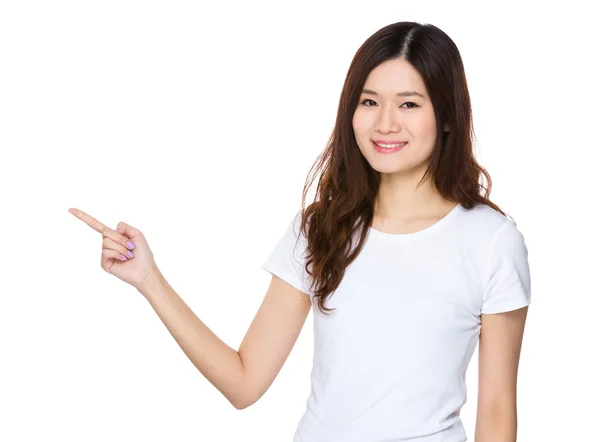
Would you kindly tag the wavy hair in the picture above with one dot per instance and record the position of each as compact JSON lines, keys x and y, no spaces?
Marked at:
{"x":344,"y":203}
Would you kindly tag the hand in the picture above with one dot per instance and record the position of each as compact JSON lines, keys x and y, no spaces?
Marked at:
{"x":133,"y":271}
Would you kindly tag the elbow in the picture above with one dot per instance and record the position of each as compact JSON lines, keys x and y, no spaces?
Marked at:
{"x":243,"y":397}
{"x":241,"y":403}
{"x":240,"y":406}
{"x":244,"y":401}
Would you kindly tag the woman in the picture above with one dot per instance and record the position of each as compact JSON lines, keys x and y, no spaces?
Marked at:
{"x":405,"y":264}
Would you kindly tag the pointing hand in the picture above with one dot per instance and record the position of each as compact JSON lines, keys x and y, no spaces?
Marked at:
{"x":118,"y":246}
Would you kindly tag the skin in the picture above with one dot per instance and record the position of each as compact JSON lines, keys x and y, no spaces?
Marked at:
{"x":133,"y":270}
{"x":241,"y":376}
{"x":386,"y":116}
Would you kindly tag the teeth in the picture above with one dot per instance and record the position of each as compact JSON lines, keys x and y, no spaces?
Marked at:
{"x":390,"y":146}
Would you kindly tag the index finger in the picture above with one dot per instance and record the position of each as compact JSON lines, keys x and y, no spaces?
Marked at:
{"x":90,"y":221}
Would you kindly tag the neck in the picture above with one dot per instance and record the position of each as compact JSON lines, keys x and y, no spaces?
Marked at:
{"x":399,"y":199}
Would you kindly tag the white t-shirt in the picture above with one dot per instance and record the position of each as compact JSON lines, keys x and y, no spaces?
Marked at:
{"x":389,"y":364}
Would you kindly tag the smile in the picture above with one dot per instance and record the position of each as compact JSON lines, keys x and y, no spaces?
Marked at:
{"x":389,"y":148}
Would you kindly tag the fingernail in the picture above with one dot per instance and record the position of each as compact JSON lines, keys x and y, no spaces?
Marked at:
{"x":123,"y":257}
{"x":130,"y":245}
{"x":129,"y":253}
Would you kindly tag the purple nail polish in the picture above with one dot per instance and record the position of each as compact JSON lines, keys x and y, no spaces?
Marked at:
{"x":130,"y":245}
{"x":129,"y":253}
{"x":123,"y":257}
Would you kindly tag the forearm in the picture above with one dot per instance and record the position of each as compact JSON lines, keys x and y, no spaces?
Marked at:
{"x":497,"y":427}
{"x":220,"y":364}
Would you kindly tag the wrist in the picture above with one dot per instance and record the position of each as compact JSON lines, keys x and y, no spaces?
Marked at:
{"x":153,"y":279}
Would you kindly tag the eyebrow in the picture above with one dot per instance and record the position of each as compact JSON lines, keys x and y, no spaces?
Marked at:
{"x":399,"y":94}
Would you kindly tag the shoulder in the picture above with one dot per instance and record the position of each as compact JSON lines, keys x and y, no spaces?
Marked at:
{"x":483,"y":232}
{"x":483,"y":223}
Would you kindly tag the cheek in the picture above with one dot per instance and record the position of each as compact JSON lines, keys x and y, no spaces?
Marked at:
{"x":426,"y":126}
{"x":359,"y":123}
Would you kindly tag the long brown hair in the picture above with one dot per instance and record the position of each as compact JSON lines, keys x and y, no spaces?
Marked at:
{"x":345,"y":196}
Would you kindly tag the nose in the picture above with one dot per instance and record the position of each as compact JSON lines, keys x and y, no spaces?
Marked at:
{"x":387,"y":119}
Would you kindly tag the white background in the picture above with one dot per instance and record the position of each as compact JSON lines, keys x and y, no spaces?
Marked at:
{"x":197,"y":124}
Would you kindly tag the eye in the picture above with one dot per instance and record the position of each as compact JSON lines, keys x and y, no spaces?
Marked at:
{"x":408,"y":102}
{"x":364,"y":101}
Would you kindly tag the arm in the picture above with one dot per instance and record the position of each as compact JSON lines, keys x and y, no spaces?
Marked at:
{"x":242,"y":377}
{"x":499,"y":351}
{"x":272,"y":335}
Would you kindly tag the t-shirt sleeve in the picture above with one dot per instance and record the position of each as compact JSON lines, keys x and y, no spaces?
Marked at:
{"x":508,"y":283}
{"x":287,"y":259}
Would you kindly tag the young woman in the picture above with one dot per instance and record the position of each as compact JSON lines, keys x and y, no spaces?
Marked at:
{"x":402,"y":257}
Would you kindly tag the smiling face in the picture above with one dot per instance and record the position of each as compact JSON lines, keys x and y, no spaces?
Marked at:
{"x":394,"y":107}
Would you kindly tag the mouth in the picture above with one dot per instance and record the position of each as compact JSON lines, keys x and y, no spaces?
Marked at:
{"x":388,"y":148}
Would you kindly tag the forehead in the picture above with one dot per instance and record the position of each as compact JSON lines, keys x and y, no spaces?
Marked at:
{"x":393,"y":76}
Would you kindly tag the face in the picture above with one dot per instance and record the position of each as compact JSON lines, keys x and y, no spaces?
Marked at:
{"x":384,"y":116}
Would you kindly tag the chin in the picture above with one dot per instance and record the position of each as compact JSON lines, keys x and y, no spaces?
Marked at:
{"x":398,"y":167}
{"x":392,"y":170}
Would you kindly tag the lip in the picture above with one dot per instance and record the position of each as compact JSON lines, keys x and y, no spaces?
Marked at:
{"x":383,"y":150}
{"x":390,"y":142}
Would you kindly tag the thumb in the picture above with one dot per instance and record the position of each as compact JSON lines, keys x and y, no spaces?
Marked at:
{"x":127,"y":230}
